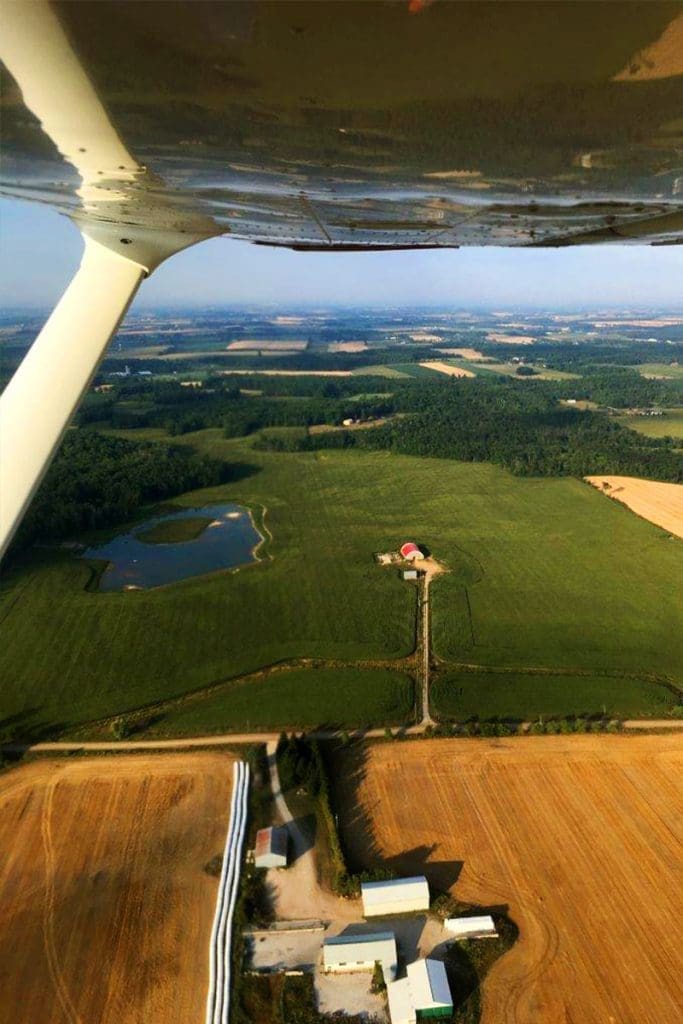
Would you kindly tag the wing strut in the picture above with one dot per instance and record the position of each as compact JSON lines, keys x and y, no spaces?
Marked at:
{"x":41,"y":398}
{"x":117,"y":197}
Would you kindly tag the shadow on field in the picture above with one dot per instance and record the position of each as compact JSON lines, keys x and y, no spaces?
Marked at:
{"x":467,"y":962}
{"x":302,"y":833}
{"x":241,"y":471}
{"x":20,"y":730}
{"x":357,"y":835}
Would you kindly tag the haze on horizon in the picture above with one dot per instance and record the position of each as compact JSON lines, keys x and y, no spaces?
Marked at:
{"x":40,"y":251}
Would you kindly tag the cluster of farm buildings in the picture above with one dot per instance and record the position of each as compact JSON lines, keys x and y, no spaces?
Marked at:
{"x":423,"y":990}
{"x":408,"y":552}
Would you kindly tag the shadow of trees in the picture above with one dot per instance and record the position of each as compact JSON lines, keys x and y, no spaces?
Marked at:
{"x":467,"y":962}
{"x":22,"y":729}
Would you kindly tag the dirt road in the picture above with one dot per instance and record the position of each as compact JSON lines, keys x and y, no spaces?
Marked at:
{"x":238,"y":739}
{"x":297,"y":892}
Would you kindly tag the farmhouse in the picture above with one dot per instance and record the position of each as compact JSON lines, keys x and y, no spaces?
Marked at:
{"x":411,"y":552}
{"x":480,"y":927}
{"x":396,"y":896}
{"x":361,"y":953}
{"x":410,"y":574}
{"x":271,"y":848}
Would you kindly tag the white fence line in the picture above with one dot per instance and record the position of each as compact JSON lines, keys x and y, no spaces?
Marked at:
{"x":218,"y":999}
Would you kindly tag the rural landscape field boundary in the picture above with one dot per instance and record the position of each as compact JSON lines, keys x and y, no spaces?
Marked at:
{"x":220,"y":947}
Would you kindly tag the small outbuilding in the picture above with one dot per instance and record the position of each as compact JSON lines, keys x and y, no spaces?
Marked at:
{"x":429,"y":989}
{"x":395,"y":896}
{"x":411,"y":552}
{"x":361,"y":952}
{"x":410,"y":574}
{"x":480,"y":927}
{"x":271,"y":848}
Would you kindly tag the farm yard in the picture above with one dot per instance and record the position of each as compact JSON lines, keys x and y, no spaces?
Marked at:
{"x":579,"y":837}
{"x":544,"y":574}
{"x":106,"y":872}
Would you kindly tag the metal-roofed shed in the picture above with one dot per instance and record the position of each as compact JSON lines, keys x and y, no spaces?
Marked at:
{"x":429,"y":989}
{"x":395,"y":896}
{"x":401,"y":1009}
{"x":480,"y":927}
{"x":353,"y":952}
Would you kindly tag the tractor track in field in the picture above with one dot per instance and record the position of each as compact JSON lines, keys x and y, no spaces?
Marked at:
{"x":51,"y":956}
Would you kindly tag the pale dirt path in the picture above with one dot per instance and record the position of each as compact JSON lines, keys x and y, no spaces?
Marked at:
{"x":297,"y":892}
{"x":424,"y":647}
{"x":240,"y":739}
{"x":430,"y":568}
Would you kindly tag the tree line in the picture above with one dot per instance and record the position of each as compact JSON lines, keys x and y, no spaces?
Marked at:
{"x":521,"y":428}
{"x":97,"y":481}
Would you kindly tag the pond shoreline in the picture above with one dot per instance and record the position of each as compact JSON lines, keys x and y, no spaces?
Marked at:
{"x":230,"y":539}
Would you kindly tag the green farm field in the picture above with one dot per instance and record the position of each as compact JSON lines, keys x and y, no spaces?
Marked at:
{"x":670,"y":424}
{"x":517,"y":696}
{"x":510,"y":370}
{"x":544,"y":574}
{"x":664,"y":371}
{"x":305,"y":698}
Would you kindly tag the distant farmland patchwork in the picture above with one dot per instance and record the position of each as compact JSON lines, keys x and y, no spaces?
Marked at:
{"x":669,"y":424}
{"x":107,"y":903}
{"x":578,"y":837}
{"x":545,"y":574}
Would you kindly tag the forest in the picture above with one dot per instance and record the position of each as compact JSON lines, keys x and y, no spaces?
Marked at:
{"x":97,"y":481}
{"x":521,"y":428}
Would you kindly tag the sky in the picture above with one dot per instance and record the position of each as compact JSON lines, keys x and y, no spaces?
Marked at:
{"x":40,"y":251}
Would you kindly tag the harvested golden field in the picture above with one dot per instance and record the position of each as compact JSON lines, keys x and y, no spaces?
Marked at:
{"x":257,"y":345}
{"x":581,"y":836}
{"x":447,"y":368}
{"x":106,"y":906}
{"x":661,"y":504}
{"x":347,"y":346}
{"x":511,"y":339}
{"x":467,"y":353}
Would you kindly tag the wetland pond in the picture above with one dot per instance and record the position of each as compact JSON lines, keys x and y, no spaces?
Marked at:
{"x":178,"y":545}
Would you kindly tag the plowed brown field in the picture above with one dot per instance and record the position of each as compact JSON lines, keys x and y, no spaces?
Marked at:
{"x":580,"y":836}
{"x":105,"y":905}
